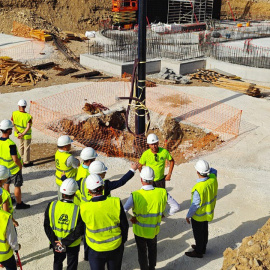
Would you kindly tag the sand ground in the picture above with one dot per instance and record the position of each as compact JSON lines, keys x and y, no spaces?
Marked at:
{"x":243,"y":176}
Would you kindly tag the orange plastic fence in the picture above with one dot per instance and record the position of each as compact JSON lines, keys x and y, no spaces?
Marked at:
{"x":62,"y":114}
{"x":25,"y":50}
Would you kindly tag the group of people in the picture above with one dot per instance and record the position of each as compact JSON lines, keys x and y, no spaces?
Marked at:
{"x":86,"y":211}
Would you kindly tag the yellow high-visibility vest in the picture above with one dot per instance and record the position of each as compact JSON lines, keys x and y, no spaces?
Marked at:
{"x":20,"y":120}
{"x":208,"y":194}
{"x":60,"y":164}
{"x":149,"y":206}
{"x":63,"y":219}
{"x":5,"y":249}
{"x":5,"y":157}
{"x":82,"y":173}
{"x":6,"y":196}
{"x":102,"y":220}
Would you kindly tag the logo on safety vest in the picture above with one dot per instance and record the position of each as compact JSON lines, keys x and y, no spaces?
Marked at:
{"x":63,"y":219}
{"x":57,"y":162}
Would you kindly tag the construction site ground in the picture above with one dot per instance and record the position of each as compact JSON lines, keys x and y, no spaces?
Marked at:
{"x":243,"y":176}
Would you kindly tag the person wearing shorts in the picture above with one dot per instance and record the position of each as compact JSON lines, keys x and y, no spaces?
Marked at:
{"x":10,"y":158}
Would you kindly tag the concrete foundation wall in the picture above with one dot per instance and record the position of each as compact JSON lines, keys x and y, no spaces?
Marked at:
{"x":248,"y":73}
{"x":116,"y":68}
{"x":183,"y":67}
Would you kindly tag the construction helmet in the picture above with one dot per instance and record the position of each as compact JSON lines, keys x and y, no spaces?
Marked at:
{"x":97,"y":167}
{"x":147,"y":174}
{"x":4,"y":172}
{"x":152,"y":138}
{"x":22,"y":103}
{"x":202,"y":167}
{"x":93,"y":181}
{"x":69,"y":186}
{"x":6,"y":124}
{"x":88,"y":153}
{"x":64,"y":140}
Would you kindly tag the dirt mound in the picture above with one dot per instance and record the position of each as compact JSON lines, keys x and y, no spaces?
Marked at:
{"x":254,"y":252}
{"x":246,"y":9}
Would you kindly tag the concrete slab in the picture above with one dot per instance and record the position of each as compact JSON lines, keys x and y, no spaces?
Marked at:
{"x":245,"y":72}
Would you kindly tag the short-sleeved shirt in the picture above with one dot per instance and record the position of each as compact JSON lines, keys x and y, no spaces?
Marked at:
{"x":157,"y":163}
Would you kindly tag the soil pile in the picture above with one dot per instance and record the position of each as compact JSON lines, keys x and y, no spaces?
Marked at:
{"x":254,"y":252}
{"x":246,"y":9}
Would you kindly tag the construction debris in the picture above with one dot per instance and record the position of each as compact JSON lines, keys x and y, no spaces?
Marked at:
{"x":18,"y":74}
{"x":210,"y":76}
{"x":44,"y":66}
{"x":67,"y":71}
{"x":94,"y":108}
{"x":86,"y":75}
{"x":170,"y":75}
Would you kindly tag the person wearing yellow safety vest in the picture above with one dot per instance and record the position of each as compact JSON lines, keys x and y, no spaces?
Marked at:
{"x":65,"y":162}
{"x":148,"y":206}
{"x":10,"y":158}
{"x":6,"y":204}
{"x":201,"y":211}
{"x":106,"y":227}
{"x":155,"y":157}
{"x":22,"y":125}
{"x":8,"y":239}
{"x":64,"y":227}
{"x":99,"y":168}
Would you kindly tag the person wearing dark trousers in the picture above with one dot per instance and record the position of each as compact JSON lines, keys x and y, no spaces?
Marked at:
{"x":155,"y":157}
{"x":106,"y":227}
{"x":148,"y":205}
{"x":64,"y":227}
{"x":201,"y":211}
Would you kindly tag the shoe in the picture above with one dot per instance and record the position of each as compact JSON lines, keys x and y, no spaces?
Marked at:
{"x":194,"y":247}
{"x":31,"y":163}
{"x":193,"y":254}
{"x":22,"y":205}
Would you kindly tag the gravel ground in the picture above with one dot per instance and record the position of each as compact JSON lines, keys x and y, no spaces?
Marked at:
{"x":243,"y":175}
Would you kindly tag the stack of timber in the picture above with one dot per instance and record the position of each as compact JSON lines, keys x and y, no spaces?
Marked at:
{"x":17,"y":74}
{"x":210,"y":76}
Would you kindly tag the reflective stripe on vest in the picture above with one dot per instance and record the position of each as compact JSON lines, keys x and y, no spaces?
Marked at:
{"x":60,"y":222}
{"x":6,"y":196}
{"x":60,"y":166}
{"x":86,"y":197}
{"x":5,"y":157}
{"x":208,"y":195}
{"x":5,"y":249}
{"x":148,"y":208}
{"x":20,"y":120}
{"x":102,"y":220}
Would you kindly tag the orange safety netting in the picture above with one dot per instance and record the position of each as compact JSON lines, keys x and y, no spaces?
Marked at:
{"x":63,"y":114}
{"x":24,"y":50}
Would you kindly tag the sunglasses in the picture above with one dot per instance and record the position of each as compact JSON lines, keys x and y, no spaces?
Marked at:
{"x":156,"y":157}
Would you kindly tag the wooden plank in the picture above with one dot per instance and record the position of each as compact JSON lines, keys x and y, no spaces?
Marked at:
{"x":86,"y":75}
{"x":31,"y":78}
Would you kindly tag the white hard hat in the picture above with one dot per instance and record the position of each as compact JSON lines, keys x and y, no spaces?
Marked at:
{"x":152,"y":138}
{"x":147,"y":174}
{"x":97,"y":167}
{"x":88,"y":153}
{"x":93,"y":181}
{"x":22,"y":103}
{"x":64,"y":140}
{"x":4,"y":172}
{"x":6,"y":124}
{"x":202,"y":167}
{"x":69,"y":186}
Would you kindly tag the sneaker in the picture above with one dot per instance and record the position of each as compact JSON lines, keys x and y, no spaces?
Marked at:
{"x":28,"y":164}
{"x":193,"y":254}
{"x":22,"y":205}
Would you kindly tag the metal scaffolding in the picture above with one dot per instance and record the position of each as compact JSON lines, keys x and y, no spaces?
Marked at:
{"x":189,"y":11}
